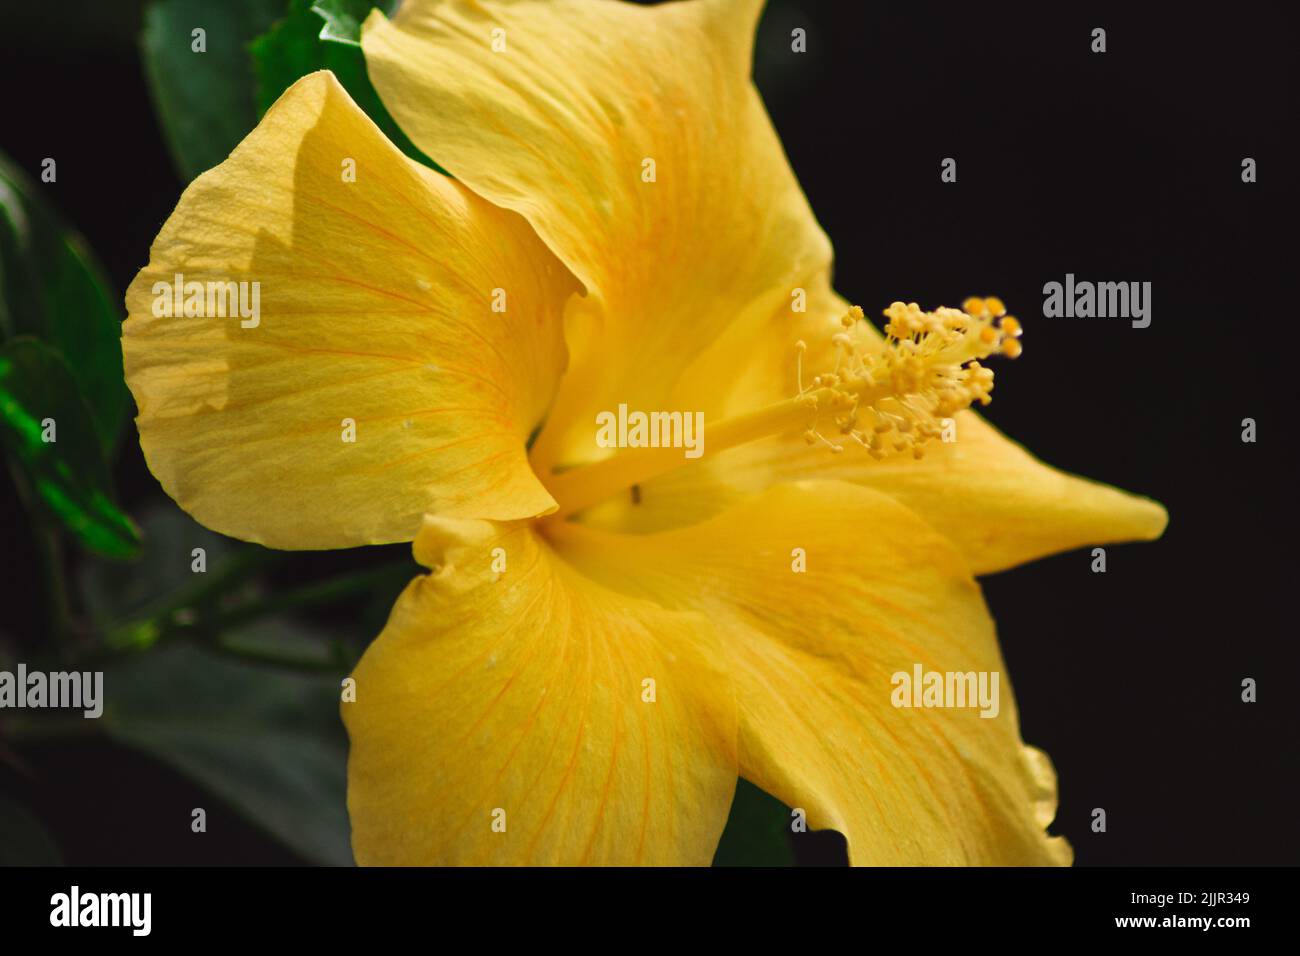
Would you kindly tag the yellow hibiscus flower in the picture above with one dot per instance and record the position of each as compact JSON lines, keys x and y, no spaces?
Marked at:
{"x":608,"y":637}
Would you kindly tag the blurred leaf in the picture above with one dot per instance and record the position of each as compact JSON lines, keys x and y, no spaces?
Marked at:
{"x":52,"y":287}
{"x":268,"y":742}
{"x":23,"y":841}
{"x":757,"y":831}
{"x":325,"y":35}
{"x":205,"y":101}
{"x":163,"y":578}
{"x":69,"y":474}
{"x":230,"y":603}
{"x":277,"y":641}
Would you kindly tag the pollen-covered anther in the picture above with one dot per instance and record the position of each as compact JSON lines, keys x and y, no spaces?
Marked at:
{"x":897,"y":397}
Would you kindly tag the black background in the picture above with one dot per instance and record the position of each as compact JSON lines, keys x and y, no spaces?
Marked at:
{"x":1123,"y":166}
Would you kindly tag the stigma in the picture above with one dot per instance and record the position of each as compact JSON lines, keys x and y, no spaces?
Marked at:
{"x":895,"y":398}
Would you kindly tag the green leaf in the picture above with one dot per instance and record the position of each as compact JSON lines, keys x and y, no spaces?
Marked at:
{"x":39,"y":399}
{"x":23,"y":841}
{"x":205,"y":100}
{"x":757,"y":831}
{"x":343,"y":18}
{"x":325,"y":35}
{"x":268,"y":742}
{"x":52,"y":287}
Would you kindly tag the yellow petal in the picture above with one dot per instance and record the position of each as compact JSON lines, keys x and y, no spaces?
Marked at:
{"x":559,"y":116}
{"x":376,"y":308}
{"x":813,"y":655}
{"x":520,"y":696}
{"x":999,"y":505}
